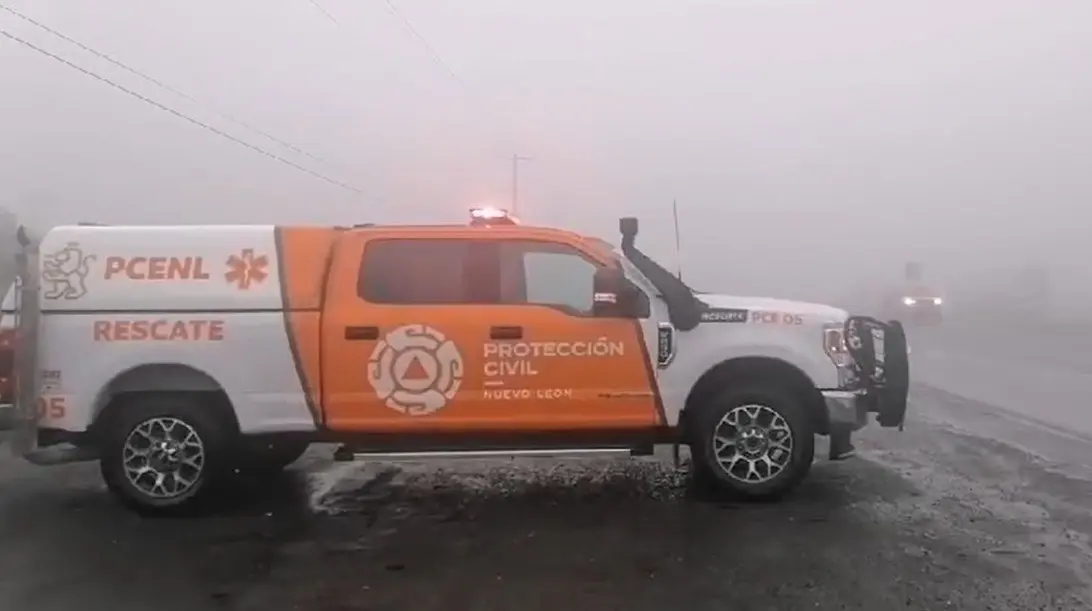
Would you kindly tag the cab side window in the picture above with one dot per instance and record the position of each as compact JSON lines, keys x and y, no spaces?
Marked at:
{"x":546,"y":273}
{"x":425,"y":272}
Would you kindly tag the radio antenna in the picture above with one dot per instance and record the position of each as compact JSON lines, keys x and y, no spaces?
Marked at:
{"x":678,"y":247}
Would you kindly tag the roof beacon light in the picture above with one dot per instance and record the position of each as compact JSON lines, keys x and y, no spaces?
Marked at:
{"x":488,"y":215}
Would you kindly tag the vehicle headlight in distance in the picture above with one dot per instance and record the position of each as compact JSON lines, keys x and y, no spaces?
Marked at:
{"x":937,"y":301}
{"x":834,"y":344}
{"x":908,"y":301}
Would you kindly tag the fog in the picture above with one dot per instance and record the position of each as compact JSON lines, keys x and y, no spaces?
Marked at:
{"x":813,"y":146}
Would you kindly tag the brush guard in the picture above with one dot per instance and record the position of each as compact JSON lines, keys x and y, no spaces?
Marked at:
{"x":882,"y":367}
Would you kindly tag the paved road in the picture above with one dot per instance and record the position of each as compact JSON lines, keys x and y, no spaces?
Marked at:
{"x":974,"y":507}
{"x":1044,"y":375}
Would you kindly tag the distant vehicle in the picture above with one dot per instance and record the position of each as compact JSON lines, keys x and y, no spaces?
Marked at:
{"x":916,"y":302}
{"x":919,"y":305}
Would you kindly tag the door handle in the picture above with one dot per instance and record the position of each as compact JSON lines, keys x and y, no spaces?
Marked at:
{"x":506,"y":332}
{"x":361,"y":333}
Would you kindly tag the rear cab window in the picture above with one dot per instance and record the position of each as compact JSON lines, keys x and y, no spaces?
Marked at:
{"x":428,"y":272}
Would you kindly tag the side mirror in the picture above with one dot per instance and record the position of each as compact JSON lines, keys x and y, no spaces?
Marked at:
{"x":614,"y":296}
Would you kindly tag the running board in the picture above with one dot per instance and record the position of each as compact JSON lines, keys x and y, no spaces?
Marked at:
{"x":344,"y":454}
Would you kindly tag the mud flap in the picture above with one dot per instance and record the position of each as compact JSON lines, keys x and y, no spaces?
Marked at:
{"x":883,"y":375}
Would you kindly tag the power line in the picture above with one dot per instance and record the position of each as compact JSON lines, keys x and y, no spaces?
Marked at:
{"x":325,"y":12}
{"x":185,"y":117}
{"x":393,"y":9}
{"x":162,"y":85}
{"x":436,"y":57}
{"x":408,"y":25}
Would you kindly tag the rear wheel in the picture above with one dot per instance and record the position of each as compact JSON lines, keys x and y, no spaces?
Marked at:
{"x":161,"y":453}
{"x":754,"y":442}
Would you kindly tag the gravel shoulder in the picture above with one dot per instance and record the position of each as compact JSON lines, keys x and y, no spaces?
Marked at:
{"x":967,"y":508}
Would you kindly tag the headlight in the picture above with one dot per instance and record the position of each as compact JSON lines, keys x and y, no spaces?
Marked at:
{"x":909,"y":301}
{"x":937,"y":301}
{"x":834,"y":344}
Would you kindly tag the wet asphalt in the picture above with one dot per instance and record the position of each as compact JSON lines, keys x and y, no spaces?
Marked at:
{"x":974,"y":506}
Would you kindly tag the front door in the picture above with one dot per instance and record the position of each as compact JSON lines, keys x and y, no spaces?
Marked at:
{"x":569,"y":369}
{"x":403,"y":335}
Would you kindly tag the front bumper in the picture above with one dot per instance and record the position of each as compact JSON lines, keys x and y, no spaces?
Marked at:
{"x":881,"y":372}
{"x":846,"y":409}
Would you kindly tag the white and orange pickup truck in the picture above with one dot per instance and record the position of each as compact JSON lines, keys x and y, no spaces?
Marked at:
{"x":173,"y":355}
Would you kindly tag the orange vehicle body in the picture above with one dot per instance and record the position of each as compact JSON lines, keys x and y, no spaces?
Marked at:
{"x":320,"y":275}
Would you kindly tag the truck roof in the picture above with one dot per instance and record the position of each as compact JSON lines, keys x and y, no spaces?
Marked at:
{"x":176,"y":268}
{"x":365,"y":227}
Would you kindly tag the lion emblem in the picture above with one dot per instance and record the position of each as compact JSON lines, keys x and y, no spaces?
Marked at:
{"x":65,"y":271}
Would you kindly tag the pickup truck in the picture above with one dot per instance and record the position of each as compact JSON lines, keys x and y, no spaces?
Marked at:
{"x":173,"y":355}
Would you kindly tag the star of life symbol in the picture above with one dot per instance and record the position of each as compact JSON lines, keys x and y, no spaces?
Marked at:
{"x":245,"y":269}
{"x":64,"y":273}
{"x":415,"y":370}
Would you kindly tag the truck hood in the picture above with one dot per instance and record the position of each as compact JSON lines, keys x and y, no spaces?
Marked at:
{"x":813,"y":310}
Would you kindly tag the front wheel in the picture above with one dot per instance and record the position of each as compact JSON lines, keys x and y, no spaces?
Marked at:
{"x":161,"y":453}
{"x":755,"y":442}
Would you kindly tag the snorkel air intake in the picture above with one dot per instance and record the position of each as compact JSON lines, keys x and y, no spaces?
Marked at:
{"x":683,"y":307}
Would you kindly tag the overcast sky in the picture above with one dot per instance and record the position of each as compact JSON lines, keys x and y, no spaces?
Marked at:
{"x":804,"y":140}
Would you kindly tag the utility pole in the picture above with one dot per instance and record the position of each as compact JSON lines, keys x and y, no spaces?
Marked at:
{"x":516,"y":158}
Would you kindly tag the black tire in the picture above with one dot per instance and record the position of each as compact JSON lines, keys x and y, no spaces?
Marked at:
{"x":709,"y":473}
{"x":270,"y":456}
{"x":189,"y":416}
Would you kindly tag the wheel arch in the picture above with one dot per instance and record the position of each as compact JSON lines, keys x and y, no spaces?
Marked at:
{"x":757,"y":369}
{"x":175,"y":378}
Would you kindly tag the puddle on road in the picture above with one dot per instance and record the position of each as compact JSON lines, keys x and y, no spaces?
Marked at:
{"x":353,"y":488}
{"x":573,"y":483}
{"x":599,"y":530}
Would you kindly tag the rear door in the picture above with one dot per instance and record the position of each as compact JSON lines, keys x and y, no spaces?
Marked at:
{"x":403,"y":332}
